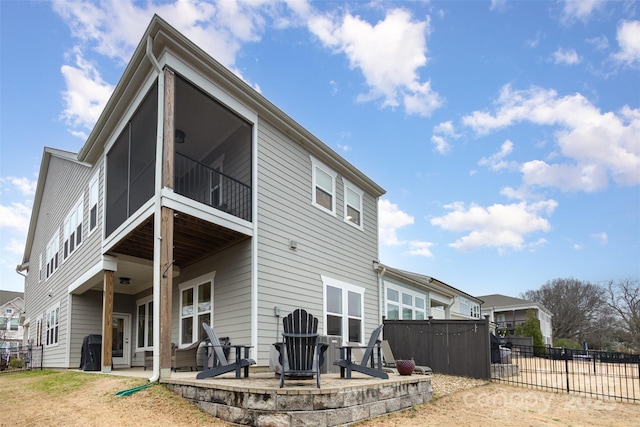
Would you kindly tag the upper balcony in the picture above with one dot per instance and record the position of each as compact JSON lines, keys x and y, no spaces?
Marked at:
{"x":210,"y":164}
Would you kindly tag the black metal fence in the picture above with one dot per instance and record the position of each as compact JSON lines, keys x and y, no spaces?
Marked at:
{"x":598,"y":374}
{"x":24,"y":358}
{"x":454,"y":347}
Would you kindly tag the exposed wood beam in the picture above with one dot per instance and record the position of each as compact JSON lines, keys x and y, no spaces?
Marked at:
{"x":107,"y":321}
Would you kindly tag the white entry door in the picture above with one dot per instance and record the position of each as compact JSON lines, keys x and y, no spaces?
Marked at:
{"x":121,"y":348}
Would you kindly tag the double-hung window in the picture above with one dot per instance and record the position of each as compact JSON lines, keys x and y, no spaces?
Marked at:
{"x":73,"y":230}
{"x":38,"y":337}
{"x":144,"y":328}
{"x":196,"y":307}
{"x":344,"y":309}
{"x":353,"y":197}
{"x":464,"y":306}
{"x":93,"y":202}
{"x":323,"y":187}
{"x":405,"y":304}
{"x":52,"y":320}
{"x":53,"y":248}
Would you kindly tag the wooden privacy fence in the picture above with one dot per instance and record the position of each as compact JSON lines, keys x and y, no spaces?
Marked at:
{"x":454,"y":347}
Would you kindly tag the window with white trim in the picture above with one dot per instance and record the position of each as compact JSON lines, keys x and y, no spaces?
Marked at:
{"x":196,"y":307}
{"x":475,"y":310}
{"x":38,"y":337}
{"x":324,"y":187}
{"x":72,"y":230}
{"x":94,"y":190}
{"x":344,"y":309}
{"x":39,"y":268}
{"x":52,"y":324}
{"x":144,"y":325}
{"x":53,"y":248}
{"x":353,"y":197}
{"x":464,"y":306}
{"x":405,"y":304}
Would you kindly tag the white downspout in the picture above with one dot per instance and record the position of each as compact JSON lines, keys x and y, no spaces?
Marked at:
{"x":157,"y":213}
{"x":380,"y":295}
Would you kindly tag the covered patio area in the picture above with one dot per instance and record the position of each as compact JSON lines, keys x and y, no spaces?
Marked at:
{"x":258,"y":401}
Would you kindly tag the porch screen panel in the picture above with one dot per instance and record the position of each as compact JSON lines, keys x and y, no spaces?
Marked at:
{"x":143,"y":152}
{"x":131,"y":164}
{"x":212,"y":131}
{"x":117,"y":182}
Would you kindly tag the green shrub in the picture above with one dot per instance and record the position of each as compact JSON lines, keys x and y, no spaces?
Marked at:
{"x":16,"y":363}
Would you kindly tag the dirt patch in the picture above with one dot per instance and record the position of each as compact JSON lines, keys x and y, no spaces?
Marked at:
{"x":37,"y":399}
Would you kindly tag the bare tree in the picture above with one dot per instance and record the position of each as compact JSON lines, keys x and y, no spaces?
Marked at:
{"x":577,"y":306}
{"x":623,"y":298}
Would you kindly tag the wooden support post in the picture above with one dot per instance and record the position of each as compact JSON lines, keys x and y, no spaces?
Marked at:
{"x":166,"y":285}
{"x":107,"y":321}
{"x":169,"y":129}
{"x":166,"y":226}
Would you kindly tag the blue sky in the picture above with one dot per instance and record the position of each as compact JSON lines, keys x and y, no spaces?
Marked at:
{"x":506,"y":133}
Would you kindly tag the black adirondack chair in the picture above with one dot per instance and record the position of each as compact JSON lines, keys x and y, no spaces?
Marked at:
{"x":368,"y":365}
{"x":220,"y":363}
{"x":300,"y":354}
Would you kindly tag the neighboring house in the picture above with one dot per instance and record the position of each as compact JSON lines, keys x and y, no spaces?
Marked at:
{"x":11,"y":331}
{"x":508,"y":312}
{"x":195,"y":199}
{"x":411,"y":296}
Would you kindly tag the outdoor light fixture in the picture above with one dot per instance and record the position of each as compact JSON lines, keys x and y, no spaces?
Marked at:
{"x":179,"y":136}
{"x":125,"y":280}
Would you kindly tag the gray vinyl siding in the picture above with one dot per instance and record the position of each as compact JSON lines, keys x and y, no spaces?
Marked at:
{"x":327,"y":245}
{"x":231,"y":292}
{"x":66,"y":183}
{"x":86,"y":319}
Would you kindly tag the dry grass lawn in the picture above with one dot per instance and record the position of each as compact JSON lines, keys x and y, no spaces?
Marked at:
{"x":66,"y":398}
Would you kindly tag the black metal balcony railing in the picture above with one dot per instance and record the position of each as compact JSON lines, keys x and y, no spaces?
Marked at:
{"x":203,"y":184}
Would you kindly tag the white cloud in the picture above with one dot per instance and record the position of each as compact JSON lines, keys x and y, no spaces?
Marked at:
{"x":14,"y":246}
{"x":389,"y":55}
{"x":499,"y":5}
{"x":579,"y":9}
{"x":15,"y":217}
{"x":496,"y":161}
{"x":390,"y":218}
{"x":497,"y":226}
{"x":446,"y":128}
{"x":593,"y":146}
{"x":599,"y":43}
{"x":536,"y":40}
{"x":420,"y":249}
{"x":566,"y":177}
{"x":113,"y":29}
{"x":569,"y":57}
{"x":629,"y":41}
{"x":86,"y":93}
{"x":441,"y":144}
{"x":602,"y":237}
{"x":345,"y":148}
{"x":23,"y":185}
